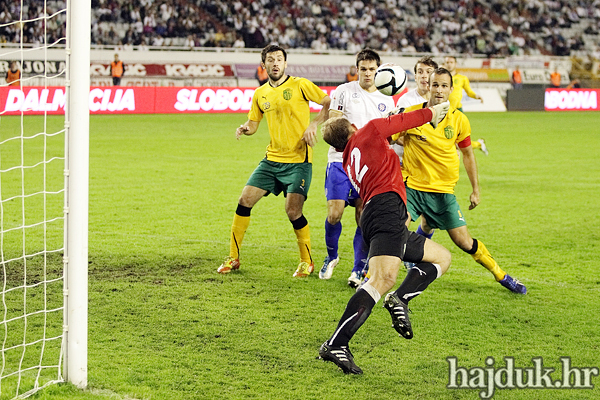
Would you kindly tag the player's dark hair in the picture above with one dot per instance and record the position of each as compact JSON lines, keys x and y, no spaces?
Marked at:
{"x":441,"y":71}
{"x":272,"y":48}
{"x":336,"y":131}
{"x":426,"y":60}
{"x":368,"y":55}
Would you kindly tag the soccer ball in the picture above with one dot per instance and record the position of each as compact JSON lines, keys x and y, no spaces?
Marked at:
{"x":390,"y":79}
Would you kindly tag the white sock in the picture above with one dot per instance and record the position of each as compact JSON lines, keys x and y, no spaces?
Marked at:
{"x":372,"y":291}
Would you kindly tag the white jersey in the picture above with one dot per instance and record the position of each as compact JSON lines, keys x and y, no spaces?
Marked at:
{"x":359,"y":107}
{"x":410,"y":98}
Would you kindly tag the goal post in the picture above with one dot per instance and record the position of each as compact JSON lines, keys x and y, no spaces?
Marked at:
{"x":44,"y":194}
{"x":77,"y":185}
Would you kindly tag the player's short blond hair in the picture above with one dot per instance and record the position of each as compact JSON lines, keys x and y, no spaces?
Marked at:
{"x":336,"y":132}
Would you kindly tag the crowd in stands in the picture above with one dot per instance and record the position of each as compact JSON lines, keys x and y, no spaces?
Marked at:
{"x":490,"y":27}
{"x":30,"y":23}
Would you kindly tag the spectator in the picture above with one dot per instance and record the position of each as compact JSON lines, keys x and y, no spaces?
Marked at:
{"x":490,"y":27}
{"x":239,"y":43}
{"x":574,"y":84}
{"x":516,"y":78}
{"x":352,"y":75}
{"x":555,"y":79}
{"x":117,"y":70}
{"x":261,"y":75}
{"x":13,"y":75}
{"x":189,"y":42}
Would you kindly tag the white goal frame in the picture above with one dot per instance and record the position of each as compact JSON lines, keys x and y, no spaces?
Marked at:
{"x":77,"y":121}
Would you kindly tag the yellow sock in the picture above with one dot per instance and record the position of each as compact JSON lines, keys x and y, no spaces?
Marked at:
{"x":238,"y":229}
{"x":483,"y":257}
{"x":303,"y":236}
{"x":475,"y":144}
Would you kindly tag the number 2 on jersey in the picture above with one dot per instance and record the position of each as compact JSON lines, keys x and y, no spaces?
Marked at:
{"x":355,"y":160}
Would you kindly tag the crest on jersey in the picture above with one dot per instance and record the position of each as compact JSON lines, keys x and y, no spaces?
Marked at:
{"x":381,"y":107}
{"x":287,"y":94}
{"x":449,"y":132}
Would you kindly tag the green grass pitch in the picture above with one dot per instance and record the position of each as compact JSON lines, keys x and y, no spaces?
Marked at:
{"x":164,"y":325}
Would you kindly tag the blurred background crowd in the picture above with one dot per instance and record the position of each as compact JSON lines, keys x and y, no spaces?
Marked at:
{"x":495,"y":28}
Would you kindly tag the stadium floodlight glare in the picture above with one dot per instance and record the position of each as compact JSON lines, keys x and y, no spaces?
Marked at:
{"x":44,"y":175}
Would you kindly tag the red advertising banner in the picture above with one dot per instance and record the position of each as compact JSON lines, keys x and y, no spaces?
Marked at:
{"x":32,"y":100}
{"x":571,"y":100}
{"x":134,"y":100}
{"x":52,"y":100}
{"x":138,"y":100}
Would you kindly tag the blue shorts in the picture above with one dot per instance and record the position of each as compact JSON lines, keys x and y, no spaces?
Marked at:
{"x":338,"y":186}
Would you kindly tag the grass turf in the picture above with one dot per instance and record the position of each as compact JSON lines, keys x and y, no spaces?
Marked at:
{"x":164,"y":325}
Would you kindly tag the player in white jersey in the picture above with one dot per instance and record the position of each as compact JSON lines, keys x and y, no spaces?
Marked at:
{"x":359,"y":102}
{"x":419,"y":95}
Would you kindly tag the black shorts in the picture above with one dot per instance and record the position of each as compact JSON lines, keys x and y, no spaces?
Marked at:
{"x":383,"y":223}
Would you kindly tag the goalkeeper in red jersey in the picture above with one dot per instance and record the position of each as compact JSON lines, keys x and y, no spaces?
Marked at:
{"x":374,"y":170}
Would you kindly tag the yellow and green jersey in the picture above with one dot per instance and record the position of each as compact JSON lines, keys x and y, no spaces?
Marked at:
{"x":430,"y":161}
{"x":460,"y":82}
{"x":286,"y":108}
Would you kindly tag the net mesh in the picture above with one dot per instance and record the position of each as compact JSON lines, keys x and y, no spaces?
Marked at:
{"x":32,"y":206}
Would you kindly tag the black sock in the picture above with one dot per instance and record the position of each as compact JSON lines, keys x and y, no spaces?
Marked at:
{"x":357,"y":311}
{"x":243,"y":211}
{"x":417,"y":279}
{"x":300,"y":222}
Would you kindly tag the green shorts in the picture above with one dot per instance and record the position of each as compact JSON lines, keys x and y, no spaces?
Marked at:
{"x":441,"y":210}
{"x":275,"y":177}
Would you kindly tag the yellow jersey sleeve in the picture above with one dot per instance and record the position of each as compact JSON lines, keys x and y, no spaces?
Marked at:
{"x":430,"y":161}
{"x":460,"y":82}
{"x":467,"y":88}
{"x":286,"y":109}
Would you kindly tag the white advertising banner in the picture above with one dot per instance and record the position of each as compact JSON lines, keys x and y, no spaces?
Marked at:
{"x":491,"y":101}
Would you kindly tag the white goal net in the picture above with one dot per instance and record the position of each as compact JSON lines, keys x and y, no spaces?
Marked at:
{"x":41,"y":309}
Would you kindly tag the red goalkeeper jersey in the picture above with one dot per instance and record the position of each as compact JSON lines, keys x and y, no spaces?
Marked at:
{"x":369,"y":161}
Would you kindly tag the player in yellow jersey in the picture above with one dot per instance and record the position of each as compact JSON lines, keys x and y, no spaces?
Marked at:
{"x":287,"y":166}
{"x":431,"y":166}
{"x":460,"y":82}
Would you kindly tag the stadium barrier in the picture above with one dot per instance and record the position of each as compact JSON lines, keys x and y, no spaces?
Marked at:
{"x":525,"y":99}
